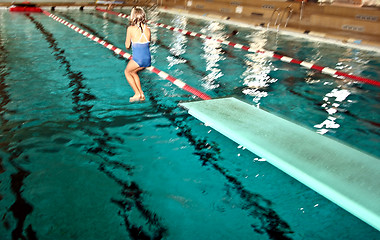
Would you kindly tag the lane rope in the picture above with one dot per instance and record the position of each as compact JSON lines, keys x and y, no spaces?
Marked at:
{"x":126,"y":55}
{"x":326,"y":70}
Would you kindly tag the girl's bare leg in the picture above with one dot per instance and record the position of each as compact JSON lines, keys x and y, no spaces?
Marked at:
{"x":134,"y":80}
{"x":137,"y":81}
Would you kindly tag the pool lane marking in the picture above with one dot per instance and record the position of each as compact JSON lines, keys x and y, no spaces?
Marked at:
{"x":308,"y":65}
{"x":120,"y":52}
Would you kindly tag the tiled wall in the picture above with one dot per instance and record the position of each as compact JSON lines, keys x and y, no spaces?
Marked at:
{"x":351,"y":19}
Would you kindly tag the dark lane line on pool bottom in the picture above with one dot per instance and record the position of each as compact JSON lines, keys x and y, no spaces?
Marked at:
{"x":4,"y":95}
{"x":20,"y":207}
{"x":131,"y":191}
{"x":255,"y":204}
{"x":93,"y":32}
{"x":271,"y":223}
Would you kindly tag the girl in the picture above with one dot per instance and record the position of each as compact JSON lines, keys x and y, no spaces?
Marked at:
{"x":138,"y":35}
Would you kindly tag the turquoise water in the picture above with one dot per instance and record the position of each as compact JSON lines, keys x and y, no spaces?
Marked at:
{"x":78,"y":161}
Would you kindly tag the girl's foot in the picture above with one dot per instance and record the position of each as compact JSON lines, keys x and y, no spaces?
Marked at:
{"x":142,"y":98}
{"x":134,"y":98}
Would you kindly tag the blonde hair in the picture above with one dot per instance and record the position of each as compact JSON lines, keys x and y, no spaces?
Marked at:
{"x":138,"y":17}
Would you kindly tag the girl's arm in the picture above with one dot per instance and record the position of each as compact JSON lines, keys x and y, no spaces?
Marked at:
{"x":128,"y":38}
{"x":148,"y":35}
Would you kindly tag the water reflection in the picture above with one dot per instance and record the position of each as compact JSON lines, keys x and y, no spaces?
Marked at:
{"x":213,"y":54}
{"x":105,"y":26}
{"x":351,"y":60}
{"x":332,"y":101}
{"x":178,"y":45}
{"x":153,"y":37}
{"x":258,"y":39}
{"x":256,"y":75}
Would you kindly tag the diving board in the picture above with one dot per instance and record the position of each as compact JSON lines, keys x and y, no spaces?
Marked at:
{"x":348,"y":177}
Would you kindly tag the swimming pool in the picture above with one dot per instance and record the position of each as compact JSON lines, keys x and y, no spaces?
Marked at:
{"x":79,"y":162}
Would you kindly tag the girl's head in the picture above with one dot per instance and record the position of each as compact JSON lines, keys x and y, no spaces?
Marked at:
{"x":137,"y":17}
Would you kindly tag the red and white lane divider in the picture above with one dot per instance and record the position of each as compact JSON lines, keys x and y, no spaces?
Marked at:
{"x":308,"y":65}
{"x":120,"y":52}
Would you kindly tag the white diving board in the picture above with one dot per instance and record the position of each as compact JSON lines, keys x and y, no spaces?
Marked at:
{"x":348,"y":177}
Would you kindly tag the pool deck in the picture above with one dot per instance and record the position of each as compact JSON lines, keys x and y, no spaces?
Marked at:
{"x":343,"y":174}
{"x":323,"y":33}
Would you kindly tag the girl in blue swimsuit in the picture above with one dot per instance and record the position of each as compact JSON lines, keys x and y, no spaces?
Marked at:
{"x":138,"y":36}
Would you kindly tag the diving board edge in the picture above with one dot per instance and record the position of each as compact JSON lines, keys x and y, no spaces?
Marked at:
{"x":363,"y":207}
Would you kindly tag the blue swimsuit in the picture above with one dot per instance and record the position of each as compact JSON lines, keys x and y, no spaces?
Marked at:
{"x":141,"y":53}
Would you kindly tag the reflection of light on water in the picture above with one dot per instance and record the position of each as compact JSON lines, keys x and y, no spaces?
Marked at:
{"x":256,"y":75}
{"x":178,"y":45}
{"x":213,"y":27}
{"x":257,"y":94}
{"x":316,"y":53}
{"x":153,"y":39}
{"x":339,"y":94}
{"x":212,"y":54}
{"x":352,"y":61}
{"x":259,"y":160}
{"x":153,"y":16}
{"x":174,"y":61}
{"x":258,"y":39}
{"x":105,"y":27}
{"x":331,"y":106}
{"x":341,"y":66}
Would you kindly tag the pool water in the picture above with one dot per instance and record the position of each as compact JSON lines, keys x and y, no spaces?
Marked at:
{"x":78,"y":161}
